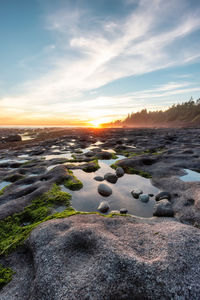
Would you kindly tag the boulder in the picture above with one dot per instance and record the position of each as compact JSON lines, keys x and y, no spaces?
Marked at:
{"x":110,"y":177}
{"x":119,"y":172}
{"x":92,"y":257}
{"x":163,"y":208}
{"x":104,"y":190}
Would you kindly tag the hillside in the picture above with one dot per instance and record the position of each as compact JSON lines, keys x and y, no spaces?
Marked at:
{"x":184,"y":114}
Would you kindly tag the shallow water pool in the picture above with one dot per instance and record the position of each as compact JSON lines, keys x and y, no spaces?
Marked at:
{"x":190,"y":176}
{"x":88,"y":198}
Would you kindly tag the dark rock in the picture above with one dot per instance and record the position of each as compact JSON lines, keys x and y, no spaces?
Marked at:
{"x":104,"y":190}
{"x":119,"y":172}
{"x":13,"y":138}
{"x":144,"y":198}
{"x":189,"y":202}
{"x":163,"y":208}
{"x":103,"y":207}
{"x":110,"y":177}
{"x":104,"y":155}
{"x":123,"y":210}
{"x":136,"y":193}
{"x":98,"y":178}
{"x":163,"y":195}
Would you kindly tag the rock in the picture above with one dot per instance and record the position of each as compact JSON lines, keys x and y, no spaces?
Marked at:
{"x":189,"y":202}
{"x":103,"y":207}
{"x":163,"y":209}
{"x":163,"y":195}
{"x":136,"y":193}
{"x":98,"y":178}
{"x":151,"y":195}
{"x":144,"y":198}
{"x":104,"y":155}
{"x":13,"y":138}
{"x":123,"y":210}
{"x":91,"y":257}
{"x":110,"y":177}
{"x":89,"y":154}
{"x":104,"y":190}
{"x":119,"y":172}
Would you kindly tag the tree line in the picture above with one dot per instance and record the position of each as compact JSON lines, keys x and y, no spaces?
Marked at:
{"x":184,"y":114}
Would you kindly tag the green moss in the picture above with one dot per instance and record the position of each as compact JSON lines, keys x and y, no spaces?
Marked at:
{"x":92,"y":166}
{"x":131,"y":170}
{"x":113,"y":166}
{"x":73,"y":156}
{"x":5,"y":275}
{"x":2,"y":190}
{"x":114,"y":156}
{"x":12,"y":231}
{"x":73,"y":183}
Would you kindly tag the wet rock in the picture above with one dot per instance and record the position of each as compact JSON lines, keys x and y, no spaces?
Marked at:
{"x":163,"y":195}
{"x":104,"y":155}
{"x":138,"y":259}
{"x":144,"y":198}
{"x":13,"y":138}
{"x":104,"y":190}
{"x":89,"y":154}
{"x":110,"y":177}
{"x":136,"y":193}
{"x":119,"y":172}
{"x":189,"y":202}
{"x":103,"y":207}
{"x":163,"y":208}
{"x":123,"y":210}
{"x":98,"y":178}
{"x":14,"y":177}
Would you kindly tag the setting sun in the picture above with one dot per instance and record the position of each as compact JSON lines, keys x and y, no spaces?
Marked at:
{"x":99,"y":122}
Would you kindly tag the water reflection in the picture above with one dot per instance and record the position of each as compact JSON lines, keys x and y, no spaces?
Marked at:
{"x":88,"y":198}
{"x":190,"y":176}
{"x":3,"y":184}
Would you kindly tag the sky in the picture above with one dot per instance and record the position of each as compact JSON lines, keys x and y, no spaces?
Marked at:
{"x":86,"y":62}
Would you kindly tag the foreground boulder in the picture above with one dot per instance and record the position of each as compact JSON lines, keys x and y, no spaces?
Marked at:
{"x":92,"y":257}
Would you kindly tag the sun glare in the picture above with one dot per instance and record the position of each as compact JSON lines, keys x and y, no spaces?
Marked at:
{"x":96,"y":123}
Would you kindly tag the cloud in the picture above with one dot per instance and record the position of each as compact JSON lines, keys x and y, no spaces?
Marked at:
{"x":93,"y":56}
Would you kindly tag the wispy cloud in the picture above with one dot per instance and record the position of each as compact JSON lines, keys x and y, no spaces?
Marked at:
{"x":92,"y":57}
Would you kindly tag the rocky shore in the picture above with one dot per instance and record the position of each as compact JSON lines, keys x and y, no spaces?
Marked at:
{"x":49,"y":250}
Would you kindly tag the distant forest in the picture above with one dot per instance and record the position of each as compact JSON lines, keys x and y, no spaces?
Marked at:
{"x":184,"y":114}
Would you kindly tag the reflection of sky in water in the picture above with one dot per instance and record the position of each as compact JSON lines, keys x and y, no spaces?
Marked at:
{"x":3,"y":184}
{"x":88,"y":198}
{"x":62,"y":155}
{"x":190,"y":176}
{"x":26,"y":137}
